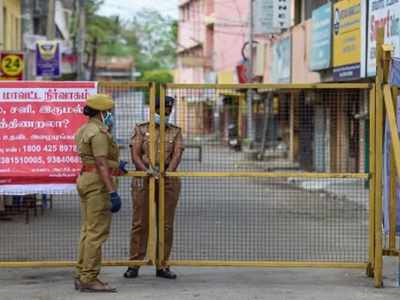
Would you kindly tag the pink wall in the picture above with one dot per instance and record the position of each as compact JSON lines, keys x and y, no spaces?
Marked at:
{"x":301,"y":50}
{"x":190,"y":75}
{"x":192,"y":39}
{"x":230,"y":32}
{"x":191,"y":31}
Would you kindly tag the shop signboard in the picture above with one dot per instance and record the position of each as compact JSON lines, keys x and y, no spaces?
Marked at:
{"x":48,"y":59}
{"x":346,"y":40}
{"x":281,"y":61}
{"x":382,"y":14}
{"x":11,"y":65}
{"x":321,"y":37}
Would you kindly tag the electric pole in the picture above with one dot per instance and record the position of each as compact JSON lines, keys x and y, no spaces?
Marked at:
{"x":81,"y":40}
{"x":51,"y":25}
{"x":95,"y":44}
{"x":27,"y":29}
{"x":250,"y":131}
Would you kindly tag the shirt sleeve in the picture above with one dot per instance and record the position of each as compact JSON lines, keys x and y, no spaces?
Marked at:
{"x":137,"y":137}
{"x":100,"y":145}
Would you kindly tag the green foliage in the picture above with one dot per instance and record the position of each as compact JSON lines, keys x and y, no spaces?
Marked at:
{"x":158,"y":76}
{"x":148,"y":37}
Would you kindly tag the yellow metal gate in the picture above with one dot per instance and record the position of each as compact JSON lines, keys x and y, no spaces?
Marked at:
{"x":303,"y":201}
{"x":299,"y":195}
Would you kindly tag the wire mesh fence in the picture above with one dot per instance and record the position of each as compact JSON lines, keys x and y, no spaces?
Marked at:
{"x":276,"y":214}
{"x":284,"y":216}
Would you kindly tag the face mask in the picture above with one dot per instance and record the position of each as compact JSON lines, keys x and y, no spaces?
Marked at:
{"x":108,"y":119}
{"x":157,"y":119}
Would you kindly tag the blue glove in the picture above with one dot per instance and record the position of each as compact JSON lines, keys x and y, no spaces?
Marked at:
{"x":115,"y":202}
{"x":122,"y":166}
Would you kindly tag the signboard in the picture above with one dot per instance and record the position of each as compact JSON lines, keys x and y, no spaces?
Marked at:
{"x":38,"y":121}
{"x":321,"y":38}
{"x":346,"y":40}
{"x":281,"y":61}
{"x":281,"y":14}
{"x":48,"y":58}
{"x":271,"y":16}
{"x":11,"y":66}
{"x":386,"y":14}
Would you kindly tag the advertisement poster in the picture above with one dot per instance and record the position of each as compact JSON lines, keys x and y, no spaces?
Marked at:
{"x":11,"y":66}
{"x":386,"y":14}
{"x":281,"y":71}
{"x":38,"y":121}
{"x":48,"y":59}
{"x":346,"y":40}
{"x":321,"y":38}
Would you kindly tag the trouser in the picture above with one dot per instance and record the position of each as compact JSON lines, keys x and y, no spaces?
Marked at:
{"x":140,"y":219}
{"x":95,"y":229}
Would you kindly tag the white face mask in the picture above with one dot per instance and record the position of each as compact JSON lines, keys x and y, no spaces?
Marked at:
{"x":157,"y":119}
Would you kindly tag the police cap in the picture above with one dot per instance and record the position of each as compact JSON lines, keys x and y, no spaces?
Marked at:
{"x":100,"y":102}
{"x":169,"y":101}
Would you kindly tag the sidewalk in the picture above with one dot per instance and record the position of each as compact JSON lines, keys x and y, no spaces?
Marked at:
{"x":206,"y":284}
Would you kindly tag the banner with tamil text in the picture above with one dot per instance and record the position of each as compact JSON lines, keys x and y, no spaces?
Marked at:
{"x":38,"y":121}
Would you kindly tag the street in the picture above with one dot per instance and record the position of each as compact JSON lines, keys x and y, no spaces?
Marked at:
{"x":239,"y":219}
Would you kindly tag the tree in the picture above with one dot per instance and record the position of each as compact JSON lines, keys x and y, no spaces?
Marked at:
{"x":149,"y":38}
{"x":156,"y":36}
{"x":158,"y":76}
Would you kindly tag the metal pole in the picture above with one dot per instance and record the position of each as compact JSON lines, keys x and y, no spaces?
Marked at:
{"x":81,"y":40}
{"x":51,"y":25}
{"x":94,"y":59}
{"x":250,"y":132}
{"x":27,"y":29}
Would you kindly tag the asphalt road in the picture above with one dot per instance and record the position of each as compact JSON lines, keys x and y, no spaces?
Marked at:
{"x":217,"y":219}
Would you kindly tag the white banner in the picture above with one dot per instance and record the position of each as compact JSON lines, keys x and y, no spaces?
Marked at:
{"x":386,"y":14}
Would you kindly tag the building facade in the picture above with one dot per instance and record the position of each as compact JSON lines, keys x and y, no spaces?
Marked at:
{"x":10,"y":25}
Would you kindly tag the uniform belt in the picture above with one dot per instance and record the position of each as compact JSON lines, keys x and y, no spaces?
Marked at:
{"x":93,"y":168}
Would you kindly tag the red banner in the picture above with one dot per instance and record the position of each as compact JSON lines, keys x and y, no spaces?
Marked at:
{"x":38,"y":122}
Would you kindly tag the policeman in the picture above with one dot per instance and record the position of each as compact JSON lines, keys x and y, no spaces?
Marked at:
{"x":140,"y":153}
{"x":97,"y":189}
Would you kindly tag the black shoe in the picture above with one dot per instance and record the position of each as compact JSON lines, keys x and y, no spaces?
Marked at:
{"x":166,"y":273}
{"x":77,"y":284}
{"x":131,"y":273}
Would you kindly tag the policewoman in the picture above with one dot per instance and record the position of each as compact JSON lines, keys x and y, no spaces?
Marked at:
{"x":96,"y":186}
{"x":140,"y":153}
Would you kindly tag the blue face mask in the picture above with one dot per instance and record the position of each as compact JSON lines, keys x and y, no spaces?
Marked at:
{"x":157,"y":119}
{"x":108,"y":119}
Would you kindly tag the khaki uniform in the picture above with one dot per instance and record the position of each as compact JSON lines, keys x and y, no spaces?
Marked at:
{"x":140,"y":190}
{"x":93,"y":140}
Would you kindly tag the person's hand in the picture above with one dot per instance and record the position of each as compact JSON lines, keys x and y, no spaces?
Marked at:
{"x":122,"y":166}
{"x":153,"y":171}
{"x":115,"y":202}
